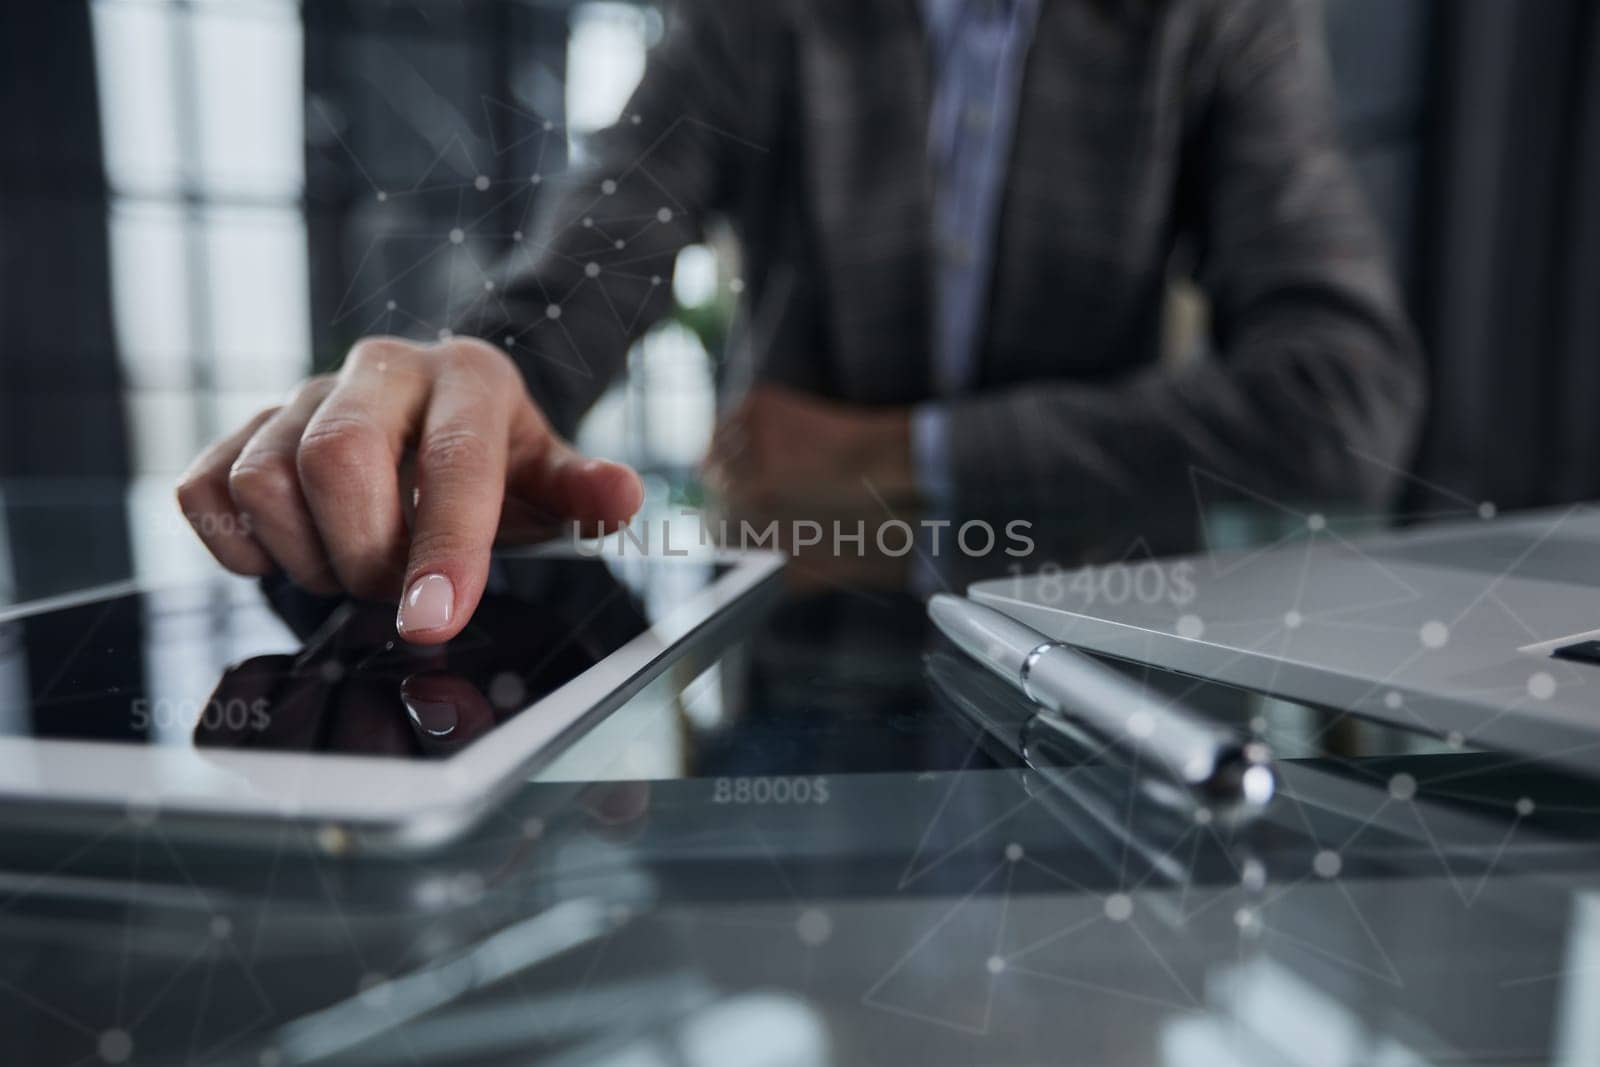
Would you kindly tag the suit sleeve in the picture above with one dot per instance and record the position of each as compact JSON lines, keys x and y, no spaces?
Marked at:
{"x":1314,"y":393}
{"x":596,"y":274}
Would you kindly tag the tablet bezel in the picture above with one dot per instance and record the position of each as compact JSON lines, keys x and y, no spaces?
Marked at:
{"x":394,"y":803}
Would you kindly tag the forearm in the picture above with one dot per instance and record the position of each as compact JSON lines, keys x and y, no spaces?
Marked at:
{"x":1316,"y":415}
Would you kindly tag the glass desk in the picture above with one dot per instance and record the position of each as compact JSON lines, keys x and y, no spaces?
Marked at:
{"x":793,"y":849}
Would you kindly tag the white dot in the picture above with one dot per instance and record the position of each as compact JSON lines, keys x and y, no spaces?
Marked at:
{"x":592,"y":270}
{"x":813,"y":927}
{"x":1244,"y":919}
{"x":1524,"y":806}
{"x":1327,"y":864}
{"x":548,"y":125}
{"x":736,"y":286}
{"x":445,"y":334}
{"x":664,"y":215}
{"x":1253,"y":875}
{"x":457,"y":236}
{"x":535,"y":179}
{"x":1013,"y":852}
{"x":1435,"y":634}
{"x":382,"y":196}
{"x":1392,"y":700}
{"x":510,"y":340}
{"x":1455,"y":739}
{"x":636,"y":118}
{"x":391,"y":305}
{"x":995,"y":964}
{"x":1293,"y":619}
{"x":1402,"y":786}
{"x":1141,"y":724}
{"x":1119,"y":906}
{"x":488,"y":285}
{"x":1202,"y":816}
{"x":221,"y":926}
{"x":115,"y":1046}
{"x":516,"y":235}
{"x":588,"y":223}
{"x":1487,"y":510}
{"x":481,"y":182}
{"x":553,"y":311}
{"x":608,"y":187}
{"x":1258,"y":725}
{"x":532,"y":827}
{"x":1191,"y":627}
{"x":619,"y":244}
{"x":1316,"y":522}
{"x":655,"y":279}
{"x":1541,"y":686}
{"x":507,"y":691}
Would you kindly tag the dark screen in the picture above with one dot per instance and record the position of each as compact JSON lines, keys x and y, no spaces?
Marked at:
{"x":270,"y":667}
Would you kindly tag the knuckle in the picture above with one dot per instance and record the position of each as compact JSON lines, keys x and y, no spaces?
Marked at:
{"x":256,"y":484}
{"x":332,"y":448}
{"x":369,"y":352}
{"x":479,"y":360}
{"x":456,"y":447}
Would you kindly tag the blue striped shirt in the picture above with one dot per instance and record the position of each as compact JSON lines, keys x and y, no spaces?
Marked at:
{"x":978,"y":50}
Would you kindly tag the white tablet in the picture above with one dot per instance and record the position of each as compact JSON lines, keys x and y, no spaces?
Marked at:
{"x":229,"y":706}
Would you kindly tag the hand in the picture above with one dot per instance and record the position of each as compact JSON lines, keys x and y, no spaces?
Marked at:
{"x":322,"y":487}
{"x":781,"y":448}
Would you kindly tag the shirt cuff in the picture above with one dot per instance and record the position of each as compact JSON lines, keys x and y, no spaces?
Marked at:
{"x":930,"y":453}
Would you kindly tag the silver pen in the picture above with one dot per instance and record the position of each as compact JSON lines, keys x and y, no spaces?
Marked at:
{"x":1222,"y":769}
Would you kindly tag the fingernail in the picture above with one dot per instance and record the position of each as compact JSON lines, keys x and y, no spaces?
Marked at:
{"x":434,"y":718}
{"x":429,"y":604}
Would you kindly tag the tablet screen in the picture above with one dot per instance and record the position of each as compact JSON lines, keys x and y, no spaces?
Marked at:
{"x":274,"y":668}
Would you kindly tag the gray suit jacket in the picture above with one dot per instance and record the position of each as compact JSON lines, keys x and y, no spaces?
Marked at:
{"x":1144,"y":126}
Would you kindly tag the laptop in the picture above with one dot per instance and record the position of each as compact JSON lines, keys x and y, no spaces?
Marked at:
{"x":1485,"y":632}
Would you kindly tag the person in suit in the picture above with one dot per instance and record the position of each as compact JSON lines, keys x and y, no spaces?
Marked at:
{"x":958,"y":222}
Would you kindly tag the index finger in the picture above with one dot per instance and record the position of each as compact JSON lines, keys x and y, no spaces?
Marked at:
{"x":461,"y":482}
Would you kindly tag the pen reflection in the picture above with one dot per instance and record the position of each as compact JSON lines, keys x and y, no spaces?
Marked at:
{"x":1140,"y":830}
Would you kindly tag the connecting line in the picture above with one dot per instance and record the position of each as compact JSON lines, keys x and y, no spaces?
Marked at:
{"x":922,"y":556}
{"x":869,"y":998}
{"x":1384,"y":465}
{"x":354,"y":159}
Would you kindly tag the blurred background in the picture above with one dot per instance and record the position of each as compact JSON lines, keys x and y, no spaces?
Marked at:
{"x":201,"y":201}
